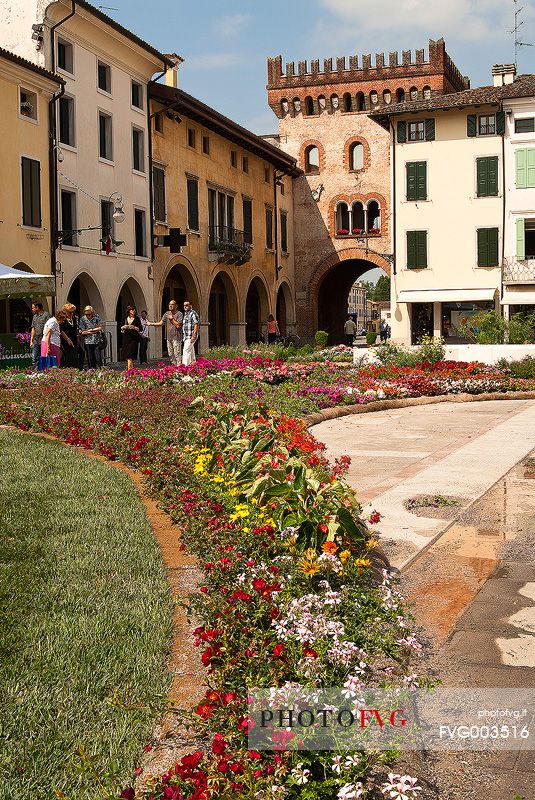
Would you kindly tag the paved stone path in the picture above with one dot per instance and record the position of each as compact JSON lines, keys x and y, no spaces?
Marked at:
{"x":453,"y":449}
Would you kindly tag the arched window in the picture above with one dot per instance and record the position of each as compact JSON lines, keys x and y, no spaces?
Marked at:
{"x":374,"y":217}
{"x":427,"y":92}
{"x":312,"y":160}
{"x":309,"y":106}
{"x":413,"y":93}
{"x":335,"y":102}
{"x":361,"y":102}
{"x":342,"y":220}
{"x":374,"y":97}
{"x":356,"y":156}
{"x":284,"y":106}
{"x":387,"y":97}
{"x":400,"y":96}
{"x":348,"y":103}
{"x":296,"y":102}
{"x":322,"y":103}
{"x":358,"y":223}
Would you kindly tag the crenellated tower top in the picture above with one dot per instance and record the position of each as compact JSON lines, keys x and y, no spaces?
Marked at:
{"x":361,"y":85}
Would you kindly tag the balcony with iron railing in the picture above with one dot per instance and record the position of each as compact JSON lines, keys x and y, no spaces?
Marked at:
{"x":232,"y":246}
{"x":518,"y":270}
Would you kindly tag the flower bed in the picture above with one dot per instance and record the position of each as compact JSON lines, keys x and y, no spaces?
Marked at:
{"x":294,"y":588}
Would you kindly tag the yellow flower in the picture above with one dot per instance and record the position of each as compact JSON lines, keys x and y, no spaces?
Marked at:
{"x":308,"y":568}
{"x":362,"y":562}
{"x":371,"y":543}
{"x":344,"y":555}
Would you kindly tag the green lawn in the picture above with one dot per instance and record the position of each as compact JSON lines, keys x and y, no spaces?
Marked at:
{"x":85,"y":617}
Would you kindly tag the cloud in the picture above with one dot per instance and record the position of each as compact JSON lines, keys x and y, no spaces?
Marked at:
{"x":468,"y":19}
{"x":213,"y":61}
{"x":231,"y":25}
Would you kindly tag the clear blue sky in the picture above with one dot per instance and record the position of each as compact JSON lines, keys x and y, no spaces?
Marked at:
{"x":225,"y":43}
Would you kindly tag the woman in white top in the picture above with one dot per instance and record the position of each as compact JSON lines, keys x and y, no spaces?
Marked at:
{"x":51,"y":342}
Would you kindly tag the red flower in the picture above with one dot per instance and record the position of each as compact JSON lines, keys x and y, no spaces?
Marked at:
{"x":219,"y":745}
{"x":309,"y":652}
{"x":278,"y":650}
{"x":192,"y":760}
{"x":223,"y":766}
{"x":375,"y":517}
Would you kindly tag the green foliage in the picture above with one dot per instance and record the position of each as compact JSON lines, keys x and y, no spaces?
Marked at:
{"x":431,"y":349}
{"x":370,"y":288}
{"x":392,"y":354}
{"x":525,"y":368}
{"x":382,"y":289}
{"x":371,"y":336}
{"x":488,"y":327}
{"x":321,"y":339}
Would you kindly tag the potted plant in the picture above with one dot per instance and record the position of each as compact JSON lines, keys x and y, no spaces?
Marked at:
{"x":342,"y":232}
{"x":26,"y":108}
{"x":358,"y":231}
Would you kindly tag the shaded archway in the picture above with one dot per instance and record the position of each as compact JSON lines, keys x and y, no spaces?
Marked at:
{"x":222,"y":309}
{"x":328,"y":291}
{"x":16,"y":313}
{"x":85,"y":292}
{"x":284,"y":311}
{"x":130,"y":294}
{"x":179,"y":284}
{"x":256,"y":311}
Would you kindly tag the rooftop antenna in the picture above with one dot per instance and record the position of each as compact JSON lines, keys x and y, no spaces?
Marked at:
{"x":517,"y":25}
{"x":109,"y":8}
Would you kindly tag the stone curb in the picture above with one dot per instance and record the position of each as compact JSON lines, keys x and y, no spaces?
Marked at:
{"x":383,"y":405}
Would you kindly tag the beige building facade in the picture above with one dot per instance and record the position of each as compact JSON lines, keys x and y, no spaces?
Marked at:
{"x":231,"y":194}
{"x":26,"y":91}
{"x":102,"y":211}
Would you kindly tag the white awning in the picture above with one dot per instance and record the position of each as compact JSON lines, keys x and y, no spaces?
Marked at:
{"x":445,"y":295}
{"x":519,"y":296}
{"x":17,"y":283}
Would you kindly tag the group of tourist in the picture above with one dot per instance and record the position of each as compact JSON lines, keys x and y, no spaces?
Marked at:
{"x":79,"y":341}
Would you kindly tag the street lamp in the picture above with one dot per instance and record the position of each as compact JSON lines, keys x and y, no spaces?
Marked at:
{"x":118,"y":210}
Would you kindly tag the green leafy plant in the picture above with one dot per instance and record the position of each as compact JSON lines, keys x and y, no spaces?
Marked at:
{"x":487,"y":327}
{"x":431,"y":349}
{"x":321,"y":339}
{"x":524,"y":368}
{"x":371,"y":336}
{"x":520,"y":328}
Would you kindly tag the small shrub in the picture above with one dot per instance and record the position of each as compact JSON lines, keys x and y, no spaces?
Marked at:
{"x":371,"y":336}
{"x":487,"y":327}
{"x":431,"y":349}
{"x":518,"y":369}
{"x":321,"y":339}
{"x":520,"y":328}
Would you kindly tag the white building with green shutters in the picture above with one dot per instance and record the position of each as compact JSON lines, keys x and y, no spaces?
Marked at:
{"x":519,"y":241}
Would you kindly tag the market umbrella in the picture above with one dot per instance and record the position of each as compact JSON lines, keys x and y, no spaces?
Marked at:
{"x":16,"y":283}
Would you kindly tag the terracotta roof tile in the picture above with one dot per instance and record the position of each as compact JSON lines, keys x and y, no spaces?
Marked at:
{"x":23,"y":62}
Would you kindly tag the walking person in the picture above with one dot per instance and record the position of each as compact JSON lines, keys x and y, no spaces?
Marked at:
{"x":350,"y":330}
{"x":131,"y":331}
{"x":69,"y":337}
{"x":144,"y":341}
{"x":172,"y":320}
{"x":39,"y":319}
{"x":272,"y":329}
{"x":90,"y":327}
{"x":51,"y":341}
{"x":190,"y":332}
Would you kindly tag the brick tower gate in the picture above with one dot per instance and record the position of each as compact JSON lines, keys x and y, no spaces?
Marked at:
{"x":342,"y":204}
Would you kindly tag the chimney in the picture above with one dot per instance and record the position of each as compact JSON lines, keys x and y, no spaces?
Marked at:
{"x":503,"y":74}
{"x":171,"y":76}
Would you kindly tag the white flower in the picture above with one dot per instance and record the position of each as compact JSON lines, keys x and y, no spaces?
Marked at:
{"x":300,"y":774}
{"x":400,"y":787}
{"x":337,"y":764}
{"x":351,"y":761}
{"x":351,"y":791}
{"x":352,"y":686}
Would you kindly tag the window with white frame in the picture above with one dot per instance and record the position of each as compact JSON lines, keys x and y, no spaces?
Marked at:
{"x":138,"y":149}
{"x":104,"y":77}
{"x":66,"y":120}
{"x":416,"y":131}
{"x":486,"y":124}
{"x":65,"y":56}
{"x":69,"y":236}
{"x":105,"y":136}
{"x":525,"y":125}
{"x":28,"y":104}
{"x":137,"y":95}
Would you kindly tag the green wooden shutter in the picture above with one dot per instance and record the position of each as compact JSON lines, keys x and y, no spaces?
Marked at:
{"x":402,"y":132}
{"x":430,"y":130}
{"x":421,"y":249}
{"x":158,"y":182}
{"x":530,"y":168}
{"x":500,"y":123}
{"x":482,"y":247}
{"x":471,"y":125}
{"x":412,"y":188}
{"x":520,"y":240}
{"x":482,"y":184}
{"x":26,"y":192}
{"x":493,"y":247}
{"x":422,"y":180}
{"x":521,"y":169}
{"x":193,"y":205}
{"x":411,"y":249}
{"x":492,"y":173}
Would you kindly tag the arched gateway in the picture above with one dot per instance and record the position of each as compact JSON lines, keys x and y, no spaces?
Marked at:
{"x":327,"y":294}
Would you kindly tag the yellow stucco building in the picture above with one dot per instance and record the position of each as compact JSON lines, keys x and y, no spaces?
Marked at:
{"x":231,"y":193}
{"x":25,"y":243}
